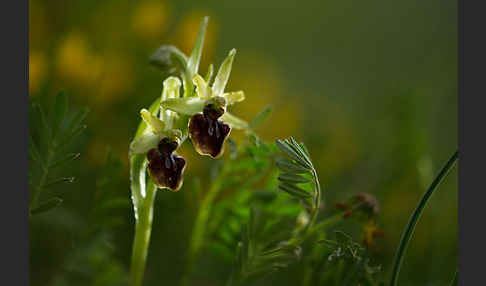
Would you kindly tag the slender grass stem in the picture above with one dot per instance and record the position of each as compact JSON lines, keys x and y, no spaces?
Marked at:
{"x":407,"y":234}
{"x":143,"y":229}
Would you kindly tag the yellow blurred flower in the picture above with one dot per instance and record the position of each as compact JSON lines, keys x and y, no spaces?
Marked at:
{"x":76,"y":62}
{"x":151,"y":19}
{"x":37,"y":70}
{"x":187,"y":31}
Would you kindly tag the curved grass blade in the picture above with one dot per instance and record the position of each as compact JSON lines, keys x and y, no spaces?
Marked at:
{"x":407,"y":234}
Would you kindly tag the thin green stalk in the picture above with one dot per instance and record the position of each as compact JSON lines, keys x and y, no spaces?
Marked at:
{"x":143,"y":228}
{"x":407,"y":234}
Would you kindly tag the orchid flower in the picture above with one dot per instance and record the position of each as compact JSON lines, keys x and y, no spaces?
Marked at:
{"x":210,"y":124}
{"x":160,"y":140}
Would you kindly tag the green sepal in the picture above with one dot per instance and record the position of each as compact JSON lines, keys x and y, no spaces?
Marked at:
{"x":234,"y":121}
{"x":223,"y":74}
{"x":184,"y":105}
{"x":142,"y":144}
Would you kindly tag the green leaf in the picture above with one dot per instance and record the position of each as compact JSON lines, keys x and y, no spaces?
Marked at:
{"x":287,"y":149}
{"x":77,"y":119}
{"x":58,"y":181}
{"x":47,"y":205}
{"x":294,"y":190}
{"x":292,"y":178}
{"x":223,"y":74}
{"x":34,"y":151}
{"x":261,"y":117}
{"x":300,"y":149}
{"x":65,"y":159}
{"x":194,"y":59}
{"x":288,"y":166}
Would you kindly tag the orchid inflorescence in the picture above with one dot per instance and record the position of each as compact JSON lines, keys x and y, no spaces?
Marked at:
{"x":199,"y":112}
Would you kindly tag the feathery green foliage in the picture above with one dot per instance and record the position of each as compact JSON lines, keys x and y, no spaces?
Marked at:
{"x":51,"y":137}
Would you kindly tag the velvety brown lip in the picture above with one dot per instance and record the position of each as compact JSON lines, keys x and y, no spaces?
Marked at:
{"x":166,"y":168}
{"x":207,"y":133}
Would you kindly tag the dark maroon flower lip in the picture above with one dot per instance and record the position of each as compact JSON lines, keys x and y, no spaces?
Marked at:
{"x":207,"y":133}
{"x":166,"y":168}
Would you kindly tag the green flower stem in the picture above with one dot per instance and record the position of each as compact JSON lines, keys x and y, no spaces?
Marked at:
{"x":407,"y":234}
{"x":143,"y":228}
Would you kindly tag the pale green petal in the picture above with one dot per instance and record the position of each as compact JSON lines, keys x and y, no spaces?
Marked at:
{"x":172,"y":87}
{"x":234,"y":121}
{"x":155,"y":124}
{"x":202,"y":88}
{"x":234,"y":97}
{"x":223,"y":74}
{"x":144,"y":143}
{"x":185,"y":105}
{"x":209,"y":74}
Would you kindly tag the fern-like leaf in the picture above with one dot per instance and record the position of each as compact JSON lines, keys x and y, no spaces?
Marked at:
{"x":50,"y":138}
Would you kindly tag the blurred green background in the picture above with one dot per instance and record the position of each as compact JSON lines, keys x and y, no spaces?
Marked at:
{"x":369,"y":86}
